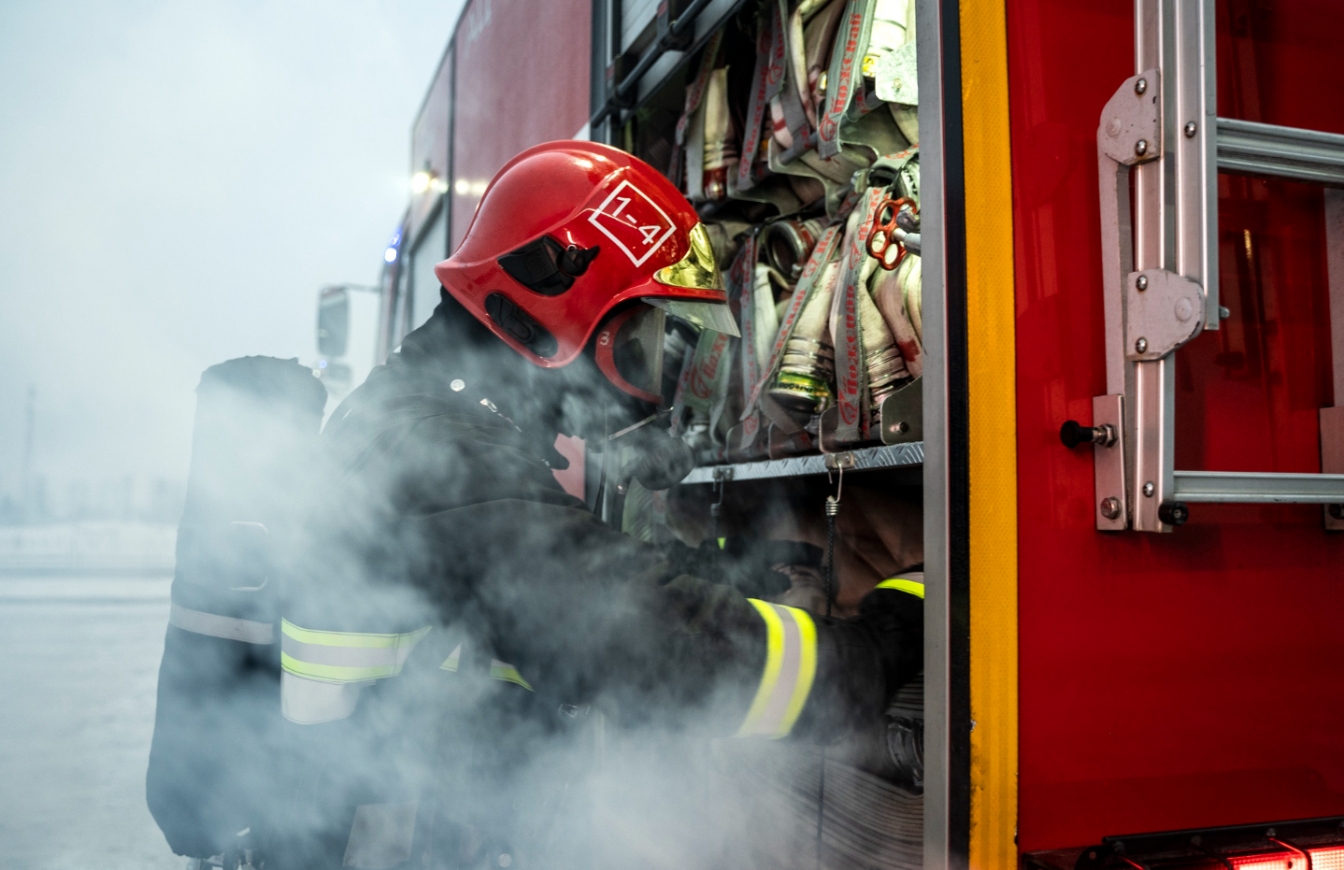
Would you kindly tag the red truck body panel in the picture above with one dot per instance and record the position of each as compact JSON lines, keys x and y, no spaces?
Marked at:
{"x":522,"y":79}
{"x":429,"y":144}
{"x":1196,"y":678}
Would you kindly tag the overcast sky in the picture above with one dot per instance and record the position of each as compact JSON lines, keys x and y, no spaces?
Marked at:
{"x":177,"y":180}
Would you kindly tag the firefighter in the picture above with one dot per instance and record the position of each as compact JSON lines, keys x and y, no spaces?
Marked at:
{"x":443,"y":546}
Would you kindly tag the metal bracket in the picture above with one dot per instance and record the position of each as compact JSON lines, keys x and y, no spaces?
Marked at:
{"x":1131,"y":124}
{"x":1129,"y":133}
{"x":1111,"y":503}
{"x":1162,"y":312}
{"x":900,"y":417}
{"x":837,"y":461}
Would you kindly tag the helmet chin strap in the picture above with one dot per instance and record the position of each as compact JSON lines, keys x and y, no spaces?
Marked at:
{"x":650,"y":454}
{"x":664,"y":414}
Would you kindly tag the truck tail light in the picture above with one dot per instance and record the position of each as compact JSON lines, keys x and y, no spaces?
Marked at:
{"x":1331,"y":858}
{"x":1325,"y":858}
{"x":1281,"y":861}
{"x":1309,"y":844}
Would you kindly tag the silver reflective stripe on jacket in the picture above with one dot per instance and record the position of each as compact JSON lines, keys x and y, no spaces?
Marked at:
{"x":226,"y":627}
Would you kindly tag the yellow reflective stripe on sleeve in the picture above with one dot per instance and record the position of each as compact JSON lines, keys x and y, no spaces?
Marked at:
{"x":914,"y":587}
{"x":453,"y":660}
{"x":363,"y":640}
{"x":790,"y":668}
{"x":774,"y":659}
{"x":502,"y":671}
{"x":344,"y":656}
{"x":507,"y":673}
{"x":334,"y":673}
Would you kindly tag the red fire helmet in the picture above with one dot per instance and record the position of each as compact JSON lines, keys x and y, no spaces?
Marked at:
{"x":568,"y":232}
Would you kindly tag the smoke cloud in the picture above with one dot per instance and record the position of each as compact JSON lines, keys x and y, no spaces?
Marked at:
{"x":179,"y":180}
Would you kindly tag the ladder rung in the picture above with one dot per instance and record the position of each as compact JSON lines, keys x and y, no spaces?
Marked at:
{"x":1250,"y":487}
{"x":1284,"y":152}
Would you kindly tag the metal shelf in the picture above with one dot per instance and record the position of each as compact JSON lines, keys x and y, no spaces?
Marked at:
{"x":862,"y":459}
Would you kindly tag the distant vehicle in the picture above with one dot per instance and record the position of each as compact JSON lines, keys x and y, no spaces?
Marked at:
{"x":348,"y":319}
{"x":359,"y":325}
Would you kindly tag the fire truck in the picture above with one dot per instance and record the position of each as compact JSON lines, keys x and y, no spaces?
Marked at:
{"x":1119,"y":412}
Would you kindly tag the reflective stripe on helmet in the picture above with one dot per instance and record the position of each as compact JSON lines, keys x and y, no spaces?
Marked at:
{"x":900,"y":584}
{"x":226,"y":627}
{"x":505,"y":672}
{"x":790,"y":666}
{"x":343,"y":656}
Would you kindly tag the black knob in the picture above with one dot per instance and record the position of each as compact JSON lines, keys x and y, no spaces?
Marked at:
{"x":1173,"y":513}
{"x":1073,"y":433}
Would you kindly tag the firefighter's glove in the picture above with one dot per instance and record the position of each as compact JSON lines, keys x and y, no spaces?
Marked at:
{"x":895,"y":618}
{"x":653,"y":456}
{"x":710,"y":561}
{"x":862,"y":662}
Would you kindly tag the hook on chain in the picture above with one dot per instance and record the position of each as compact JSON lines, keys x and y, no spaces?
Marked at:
{"x":832,"y":510}
{"x":720,"y":491}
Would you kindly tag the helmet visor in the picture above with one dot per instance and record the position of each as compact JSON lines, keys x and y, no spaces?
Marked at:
{"x":630,"y":352}
{"x":695,"y":271}
{"x":714,"y":316}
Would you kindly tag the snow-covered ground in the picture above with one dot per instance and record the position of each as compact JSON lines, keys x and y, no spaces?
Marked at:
{"x":87,"y":547}
{"x":82,"y":656}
